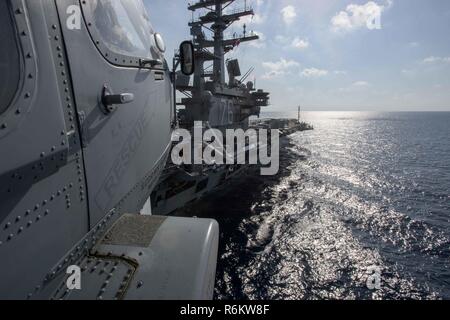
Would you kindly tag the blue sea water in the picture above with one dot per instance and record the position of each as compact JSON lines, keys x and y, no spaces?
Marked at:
{"x":362,"y":190}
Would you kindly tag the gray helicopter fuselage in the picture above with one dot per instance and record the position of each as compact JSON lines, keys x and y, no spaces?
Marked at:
{"x":86,"y":116}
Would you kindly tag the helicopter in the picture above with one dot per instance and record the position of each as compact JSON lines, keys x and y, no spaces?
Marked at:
{"x":87,"y":109}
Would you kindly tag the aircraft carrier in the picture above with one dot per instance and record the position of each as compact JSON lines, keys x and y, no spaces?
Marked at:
{"x":220,"y":96}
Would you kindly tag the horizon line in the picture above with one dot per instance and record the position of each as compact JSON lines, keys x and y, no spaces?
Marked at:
{"x":362,"y":110}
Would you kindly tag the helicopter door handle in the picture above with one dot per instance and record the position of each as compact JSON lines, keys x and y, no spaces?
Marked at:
{"x":111,"y":100}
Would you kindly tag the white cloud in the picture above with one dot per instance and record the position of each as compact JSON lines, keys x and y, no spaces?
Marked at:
{"x":431,"y":59}
{"x":360,"y":84}
{"x":282,"y":39}
{"x":289,"y":14}
{"x":254,"y":19}
{"x":359,"y":16}
{"x":408,"y":72}
{"x":261,"y":43}
{"x":341,"y":21}
{"x":296,"y":42}
{"x":414,"y":44}
{"x":314,"y":73}
{"x":340,"y":72}
{"x":282,"y":64}
{"x":300,"y":43}
{"x":434,"y":59}
{"x":279,"y":68}
{"x":284,"y":67}
{"x":357,"y":86}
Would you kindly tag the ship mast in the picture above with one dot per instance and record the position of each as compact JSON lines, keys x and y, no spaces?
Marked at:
{"x":217,"y":20}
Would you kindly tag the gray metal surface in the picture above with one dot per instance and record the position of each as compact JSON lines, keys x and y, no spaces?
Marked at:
{"x":133,"y":231}
{"x":122,"y":147}
{"x":179,"y":262}
{"x":102,"y":279}
{"x":69,"y":170}
{"x":9,"y":57}
{"x":43,"y":208}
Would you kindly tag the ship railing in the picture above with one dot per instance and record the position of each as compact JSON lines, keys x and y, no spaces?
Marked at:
{"x":238,"y":10}
{"x":200,"y":18}
{"x":243,"y":36}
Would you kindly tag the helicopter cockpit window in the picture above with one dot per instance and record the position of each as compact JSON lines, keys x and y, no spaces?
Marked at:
{"x":9,"y":58}
{"x":124,"y":27}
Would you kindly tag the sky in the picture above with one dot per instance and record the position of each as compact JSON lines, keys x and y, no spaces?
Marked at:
{"x":332,"y":55}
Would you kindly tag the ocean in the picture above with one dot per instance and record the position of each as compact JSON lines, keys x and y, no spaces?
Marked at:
{"x":362,"y":195}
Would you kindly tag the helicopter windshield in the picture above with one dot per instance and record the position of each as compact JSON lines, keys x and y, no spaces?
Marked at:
{"x":124,"y":27}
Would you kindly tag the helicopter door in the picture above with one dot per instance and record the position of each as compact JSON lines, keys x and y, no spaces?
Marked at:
{"x":123,"y":95}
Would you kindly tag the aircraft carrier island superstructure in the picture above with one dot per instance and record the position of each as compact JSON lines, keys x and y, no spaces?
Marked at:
{"x":211,"y":98}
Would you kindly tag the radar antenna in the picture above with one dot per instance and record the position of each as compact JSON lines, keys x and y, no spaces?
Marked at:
{"x":217,"y":20}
